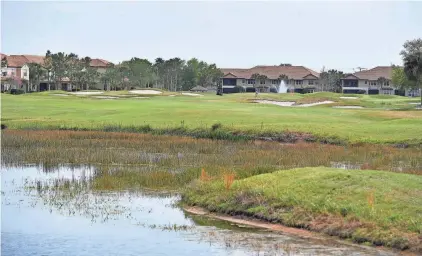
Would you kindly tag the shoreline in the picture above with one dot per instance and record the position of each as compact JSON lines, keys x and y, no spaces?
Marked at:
{"x":301,"y":233}
{"x":288,"y":137}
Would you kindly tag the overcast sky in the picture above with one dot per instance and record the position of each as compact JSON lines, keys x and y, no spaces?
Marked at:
{"x":336,"y":34}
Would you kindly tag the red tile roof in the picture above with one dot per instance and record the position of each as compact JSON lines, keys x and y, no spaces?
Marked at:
{"x":375,"y":73}
{"x":99,"y":63}
{"x":272,"y":72}
{"x":18,"y":61}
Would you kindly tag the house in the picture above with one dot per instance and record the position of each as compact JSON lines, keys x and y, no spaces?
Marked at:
{"x":299,"y":78}
{"x":17,"y":68}
{"x":15,"y":73}
{"x":374,"y":81}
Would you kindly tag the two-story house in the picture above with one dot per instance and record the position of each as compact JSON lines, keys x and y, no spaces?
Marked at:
{"x":15,"y":73}
{"x":299,"y":79}
{"x":17,"y":68}
{"x":374,"y":81}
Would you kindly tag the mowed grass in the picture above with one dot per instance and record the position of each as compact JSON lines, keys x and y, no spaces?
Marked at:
{"x":375,"y":207}
{"x":234,"y":112}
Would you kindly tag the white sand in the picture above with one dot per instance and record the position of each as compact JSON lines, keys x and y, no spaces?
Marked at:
{"x":315,"y":104}
{"x":59,"y":94}
{"x":278,"y":103}
{"x":351,"y":107}
{"x":105,"y":97}
{"x":86,"y":93}
{"x":145,"y":92}
{"x":349,"y":98}
{"x":292,"y":103}
{"x":191,"y":94}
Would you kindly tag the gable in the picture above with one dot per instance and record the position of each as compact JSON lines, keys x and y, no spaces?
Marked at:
{"x":350,"y":76}
{"x":230,"y":75}
{"x":310,"y":76}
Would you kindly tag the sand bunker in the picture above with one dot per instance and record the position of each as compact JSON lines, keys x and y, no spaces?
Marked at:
{"x":59,"y":94}
{"x":349,"y":98}
{"x":278,"y":103}
{"x":292,"y":103}
{"x":105,"y":97}
{"x":86,"y":93}
{"x":191,"y":94}
{"x":315,"y":104}
{"x":350,"y":107}
{"x":172,"y":95}
{"x":145,"y":92}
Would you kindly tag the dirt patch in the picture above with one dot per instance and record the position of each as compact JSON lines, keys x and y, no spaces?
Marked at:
{"x":400,"y":114}
{"x":253,"y":223}
{"x":145,"y":92}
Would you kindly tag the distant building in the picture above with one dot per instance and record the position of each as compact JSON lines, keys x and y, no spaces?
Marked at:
{"x":375,"y":81}
{"x":300,"y":79}
{"x":17,"y":69}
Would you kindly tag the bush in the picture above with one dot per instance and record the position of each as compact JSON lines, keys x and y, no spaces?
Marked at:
{"x":216,"y":126}
{"x":17,"y":91}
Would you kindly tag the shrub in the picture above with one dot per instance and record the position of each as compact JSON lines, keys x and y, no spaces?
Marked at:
{"x":216,"y":126}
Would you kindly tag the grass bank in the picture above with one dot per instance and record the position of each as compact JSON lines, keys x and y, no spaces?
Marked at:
{"x":365,"y":206}
{"x":236,"y":116}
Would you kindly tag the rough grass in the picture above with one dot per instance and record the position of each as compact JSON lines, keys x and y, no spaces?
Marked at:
{"x":233,"y":112}
{"x":361,"y":205}
{"x":133,"y":160}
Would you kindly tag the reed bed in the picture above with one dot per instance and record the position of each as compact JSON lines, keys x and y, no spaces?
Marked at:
{"x":133,"y":160}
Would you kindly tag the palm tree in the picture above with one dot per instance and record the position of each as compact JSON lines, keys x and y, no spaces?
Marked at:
{"x":255,"y":77}
{"x":412,"y":60}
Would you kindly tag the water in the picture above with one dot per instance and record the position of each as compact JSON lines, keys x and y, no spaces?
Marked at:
{"x":50,"y":222}
{"x":282,"y":88}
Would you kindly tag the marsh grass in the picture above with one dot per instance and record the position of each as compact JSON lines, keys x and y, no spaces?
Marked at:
{"x":132,"y":160}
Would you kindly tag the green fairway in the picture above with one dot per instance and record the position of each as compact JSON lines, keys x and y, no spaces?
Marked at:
{"x":373,"y":124}
{"x":366,"y":206}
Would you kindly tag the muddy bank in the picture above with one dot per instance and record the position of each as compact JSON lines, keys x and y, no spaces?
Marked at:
{"x":302,"y":233}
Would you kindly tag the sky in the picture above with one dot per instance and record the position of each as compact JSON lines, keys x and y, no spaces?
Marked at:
{"x":334,"y":34}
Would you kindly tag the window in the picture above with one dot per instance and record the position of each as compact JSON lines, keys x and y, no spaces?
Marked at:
{"x":4,"y":73}
{"x":311,"y":82}
{"x":275,"y":82}
{"x":387,"y":83}
{"x":366,"y":82}
{"x":251,"y":81}
{"x":262,"y":82}
{"x":298,"y":82}
{"x":25,"y":73}
{"x":373,"y":83}
{"x":243,"y":81}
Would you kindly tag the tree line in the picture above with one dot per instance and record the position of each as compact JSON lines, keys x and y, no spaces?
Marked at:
{"x":174,"y":74}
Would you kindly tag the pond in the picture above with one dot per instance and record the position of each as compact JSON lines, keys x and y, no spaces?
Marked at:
{"x":39,"y":219}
